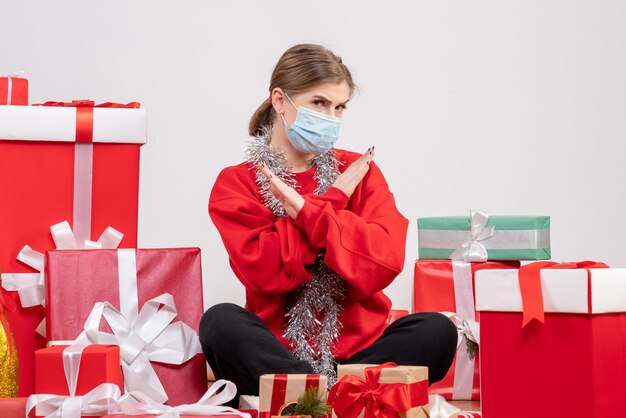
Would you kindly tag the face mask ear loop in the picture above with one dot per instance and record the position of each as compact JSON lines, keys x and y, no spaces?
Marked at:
{"x":292,"y":103}
{"x":284,"y":121}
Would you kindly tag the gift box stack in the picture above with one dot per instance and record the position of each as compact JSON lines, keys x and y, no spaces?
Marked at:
{"x":549,"y":341}
{"x":71,"y":272}
{"x":451,"y":251}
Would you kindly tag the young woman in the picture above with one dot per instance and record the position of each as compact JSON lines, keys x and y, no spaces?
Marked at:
{"x":314,"y":235}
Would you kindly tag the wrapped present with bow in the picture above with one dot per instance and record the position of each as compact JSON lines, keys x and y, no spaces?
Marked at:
{"x":279,"y":393}
{"x":448,"y":287}
{"x":147,"y":301}
{"x":380,"y":391}
{"x":481,"y":237}
{"x":557,"y":330}
{"x":63,"y":165}
{"x":74,"y":381}
{"x":13,"y":89}
{"x":211,"y":404}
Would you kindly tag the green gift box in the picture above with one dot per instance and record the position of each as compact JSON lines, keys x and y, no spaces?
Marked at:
{"x":480,"y":237}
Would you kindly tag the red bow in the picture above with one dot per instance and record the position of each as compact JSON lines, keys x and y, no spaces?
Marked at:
{"x":530,"y":285}
{"x":380,"y":400}
{"x":84,"y":115}
{"x":91,"y":103}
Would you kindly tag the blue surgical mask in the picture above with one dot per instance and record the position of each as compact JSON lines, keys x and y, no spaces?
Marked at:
{"x":312,"y":132}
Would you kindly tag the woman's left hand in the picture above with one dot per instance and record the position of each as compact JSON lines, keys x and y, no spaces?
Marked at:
{"x":292,"y":200}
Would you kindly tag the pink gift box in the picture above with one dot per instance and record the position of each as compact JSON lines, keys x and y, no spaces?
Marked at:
{"x":76,"y":280}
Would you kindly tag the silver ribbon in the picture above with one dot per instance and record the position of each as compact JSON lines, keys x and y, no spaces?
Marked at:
{"x":99,"y":401}
{"x":472,"y":249}
{"x":137,"y":403}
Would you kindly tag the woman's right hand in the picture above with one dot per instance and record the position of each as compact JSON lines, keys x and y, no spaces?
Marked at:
{"x":349,"y":179}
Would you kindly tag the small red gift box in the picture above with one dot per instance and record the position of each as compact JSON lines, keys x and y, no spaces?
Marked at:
{"x":166,"y":282}
{"x":572,"y":364}
{"x":98,"y":364}
{"x":79,"y":164}
{"x":447,"y":286}
{"x":279,"y":390}
{"x":74,"y":371}
{"x":13,"y":90}
{"x":14,"y":408}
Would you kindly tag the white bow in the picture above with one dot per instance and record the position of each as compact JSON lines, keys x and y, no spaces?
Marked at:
{"x":99,"y":401}
{"x":137,"y":403}
{"x":149,"y":337}
{"x":31,"y":286}
{"x":466,"y":329}
{"x":472,"y":249}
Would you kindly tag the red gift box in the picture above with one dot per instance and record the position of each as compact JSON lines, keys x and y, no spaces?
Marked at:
{"x":98,"y":364}
{"x":74,"y":372}
{"x":40,"y":156}
{"x":77,"y":280}
{"x":572,"y":364}
{"x":447,"y":286}
{"x":13,"y":90}
{"x":395,"y":314}
{"x":14,"y":408}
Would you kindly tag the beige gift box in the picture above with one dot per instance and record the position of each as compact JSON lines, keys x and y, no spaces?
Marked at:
{"x":396,"y":374}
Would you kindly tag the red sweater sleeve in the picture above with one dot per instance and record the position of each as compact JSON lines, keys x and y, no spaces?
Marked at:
{"x":268,"y":256}
{"x":364,"y":243}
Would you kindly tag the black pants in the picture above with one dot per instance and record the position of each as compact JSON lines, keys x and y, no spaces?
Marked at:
{"x":240,"y":347}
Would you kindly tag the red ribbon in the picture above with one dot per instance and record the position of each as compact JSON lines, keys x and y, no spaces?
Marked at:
{"x":530,"y":285}
{"x":84,"y":115}
{"x":381,"y":400}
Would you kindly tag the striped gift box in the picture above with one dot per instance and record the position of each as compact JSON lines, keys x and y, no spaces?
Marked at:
{"x":279,"y":390}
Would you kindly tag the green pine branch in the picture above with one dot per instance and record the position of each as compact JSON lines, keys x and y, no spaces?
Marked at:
{"x":309,"y":403}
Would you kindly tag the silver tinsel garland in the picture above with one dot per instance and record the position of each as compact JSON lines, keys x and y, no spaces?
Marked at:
{"x":313,"y":321}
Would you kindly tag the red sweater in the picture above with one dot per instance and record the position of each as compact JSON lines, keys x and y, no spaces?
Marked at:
{"x":364,"y":237}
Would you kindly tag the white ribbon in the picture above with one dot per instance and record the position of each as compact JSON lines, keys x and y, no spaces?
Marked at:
{"x":472,"y":249}
{"x":468,"y":329}
{"x":101,"y":400}
{"x":137,"y":403}
{"x":438,"y":407}
{"x":31,"y":286}
{"x":150,"y":337}
{"x":10,"y":78}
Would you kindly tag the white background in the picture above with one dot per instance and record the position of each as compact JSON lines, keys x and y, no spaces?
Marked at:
{"x":513,"y":107}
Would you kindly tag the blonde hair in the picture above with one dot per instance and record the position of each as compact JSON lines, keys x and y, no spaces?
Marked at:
{"x":300,"y":67}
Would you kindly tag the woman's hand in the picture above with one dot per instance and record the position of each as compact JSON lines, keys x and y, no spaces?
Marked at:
{"x":349,"y":179}
{"x":292,"y":200}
